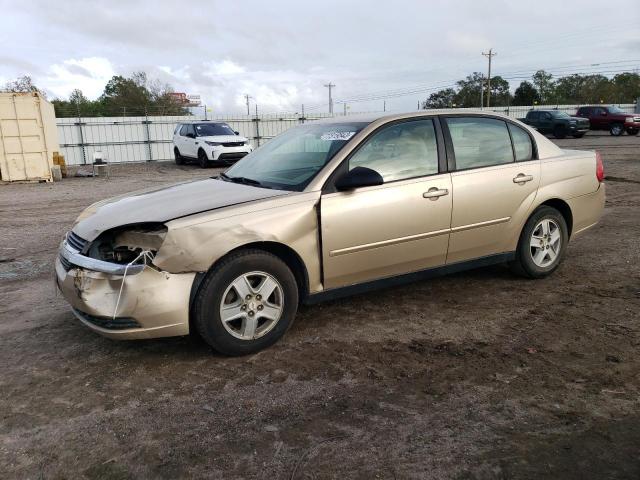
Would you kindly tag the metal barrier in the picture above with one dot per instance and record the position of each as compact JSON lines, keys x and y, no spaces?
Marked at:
{"x":149,"y":138}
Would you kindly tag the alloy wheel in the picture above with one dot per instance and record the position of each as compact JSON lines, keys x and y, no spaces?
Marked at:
{"x":252,"y":305}
{"x":546,"y":242}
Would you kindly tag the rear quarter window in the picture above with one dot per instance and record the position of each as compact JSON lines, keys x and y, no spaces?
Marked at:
{"x":522,"y":145}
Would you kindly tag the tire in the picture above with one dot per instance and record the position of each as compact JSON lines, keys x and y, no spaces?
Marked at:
{"x":560,"y":132}
{"x":539,"y":261}
{"x":616,"y":129}
{"x":578,"y":135}
{"x":203,"y":160}
{"x":250,"y":270}
{"x":178,"y":158}
{"x":633,"y":131}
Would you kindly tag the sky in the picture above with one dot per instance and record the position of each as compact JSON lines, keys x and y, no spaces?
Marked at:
{"x":378,"y":54}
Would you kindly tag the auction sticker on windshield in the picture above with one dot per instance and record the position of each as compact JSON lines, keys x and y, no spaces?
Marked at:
{"x":332,"y":136}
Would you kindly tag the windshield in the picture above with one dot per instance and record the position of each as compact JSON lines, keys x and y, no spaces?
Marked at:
{"x":213,"y":129}
{"x":615,"y":110}
{"x":560,"y":114}
{"x":293,"y":158}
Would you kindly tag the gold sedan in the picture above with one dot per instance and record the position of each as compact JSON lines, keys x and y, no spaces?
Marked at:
{"x":327,"y":209}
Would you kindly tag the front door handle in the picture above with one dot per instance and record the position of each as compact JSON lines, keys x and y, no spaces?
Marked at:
{"x":521,"y":178}
{"x":434,"y":193}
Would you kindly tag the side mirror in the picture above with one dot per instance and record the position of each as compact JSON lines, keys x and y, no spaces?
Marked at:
{"x":236,"y":132}
{"x":359,"y":177}
{"x":604,"y":113}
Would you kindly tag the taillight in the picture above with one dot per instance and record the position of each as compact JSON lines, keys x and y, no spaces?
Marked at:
{"x":599,"y":167}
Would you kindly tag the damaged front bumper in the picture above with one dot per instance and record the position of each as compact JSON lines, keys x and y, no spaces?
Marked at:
{"x":143,"y":303}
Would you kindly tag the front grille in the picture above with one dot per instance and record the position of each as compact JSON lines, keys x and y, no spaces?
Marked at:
{"x":118,"y":323}
{"x":232,"y":156}
{"x":233,"y":144}
{"x":65,"y":263}
{"x":76,"y":242}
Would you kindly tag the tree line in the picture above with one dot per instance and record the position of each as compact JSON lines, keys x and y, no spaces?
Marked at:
{"x":542,"y":89}
{"x":122,"y":96}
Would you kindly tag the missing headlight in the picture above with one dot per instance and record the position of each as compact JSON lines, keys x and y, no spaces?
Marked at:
{"x":126,"y":244}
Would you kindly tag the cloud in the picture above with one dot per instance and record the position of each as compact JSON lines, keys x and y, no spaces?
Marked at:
{"x":88,"y":74}
{"x":282,"y":52}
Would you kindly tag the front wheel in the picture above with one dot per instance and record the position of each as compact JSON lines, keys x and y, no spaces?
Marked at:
{"x":633,"y":131}
{"x":203,"y":160}
{"x":246,"y":303}
{"x":559,"y":132}
{"x":543,"y":243}
{"x":578,"y":135}
{"x":616,"y":129}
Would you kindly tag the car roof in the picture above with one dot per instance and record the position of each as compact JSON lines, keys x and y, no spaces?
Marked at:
{"x":192,"y":122}
{"x":384,"y":118}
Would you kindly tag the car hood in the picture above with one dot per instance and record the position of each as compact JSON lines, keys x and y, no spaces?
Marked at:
{"x":166,"y":203}
{"x":224,"y":138}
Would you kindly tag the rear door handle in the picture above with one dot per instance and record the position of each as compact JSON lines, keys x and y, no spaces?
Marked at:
{"x":434,"y":193}
{"x":522,"y":178}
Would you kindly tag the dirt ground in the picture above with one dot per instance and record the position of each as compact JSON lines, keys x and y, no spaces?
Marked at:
{"x":476,"y":375}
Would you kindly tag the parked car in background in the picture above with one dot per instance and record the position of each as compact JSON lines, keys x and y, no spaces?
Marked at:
{"x":559,"y":124}
{"x":325,"y":210}
{"x":614,"y":119}
{"x":208,"y":143}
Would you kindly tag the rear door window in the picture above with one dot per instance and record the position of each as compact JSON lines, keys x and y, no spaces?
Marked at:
{"x":479,"y":142}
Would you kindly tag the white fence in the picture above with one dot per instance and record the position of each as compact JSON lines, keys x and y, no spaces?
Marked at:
{"x":144,"y":139}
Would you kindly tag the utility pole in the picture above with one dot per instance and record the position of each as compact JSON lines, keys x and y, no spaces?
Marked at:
{"x":345,"y":108}
{"x":489,"y":55}
{"x":384,"y":105}
{"x":247,"y":97}
{"x":330,"y":86}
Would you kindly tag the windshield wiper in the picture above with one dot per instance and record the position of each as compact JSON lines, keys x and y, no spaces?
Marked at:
{"x":243,"y":180}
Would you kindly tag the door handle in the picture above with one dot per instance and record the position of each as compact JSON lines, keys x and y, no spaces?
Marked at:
{"x":434,"y":193}
{"x":521,"y":178}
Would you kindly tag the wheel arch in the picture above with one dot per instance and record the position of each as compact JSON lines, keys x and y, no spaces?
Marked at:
{"x":564,"y":209}
{"x":285,"y":253}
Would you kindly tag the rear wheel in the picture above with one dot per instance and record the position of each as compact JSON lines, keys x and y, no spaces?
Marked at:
{"x":616,"y":129}
{"x":178,"y":157}
{"x":543,"y":243}
{"x":203,"y":161}
{"x":247,"y":303}
{"x":559,"y":132}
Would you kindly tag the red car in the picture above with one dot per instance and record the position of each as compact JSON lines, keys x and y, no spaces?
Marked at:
{"x":614,"y":119}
